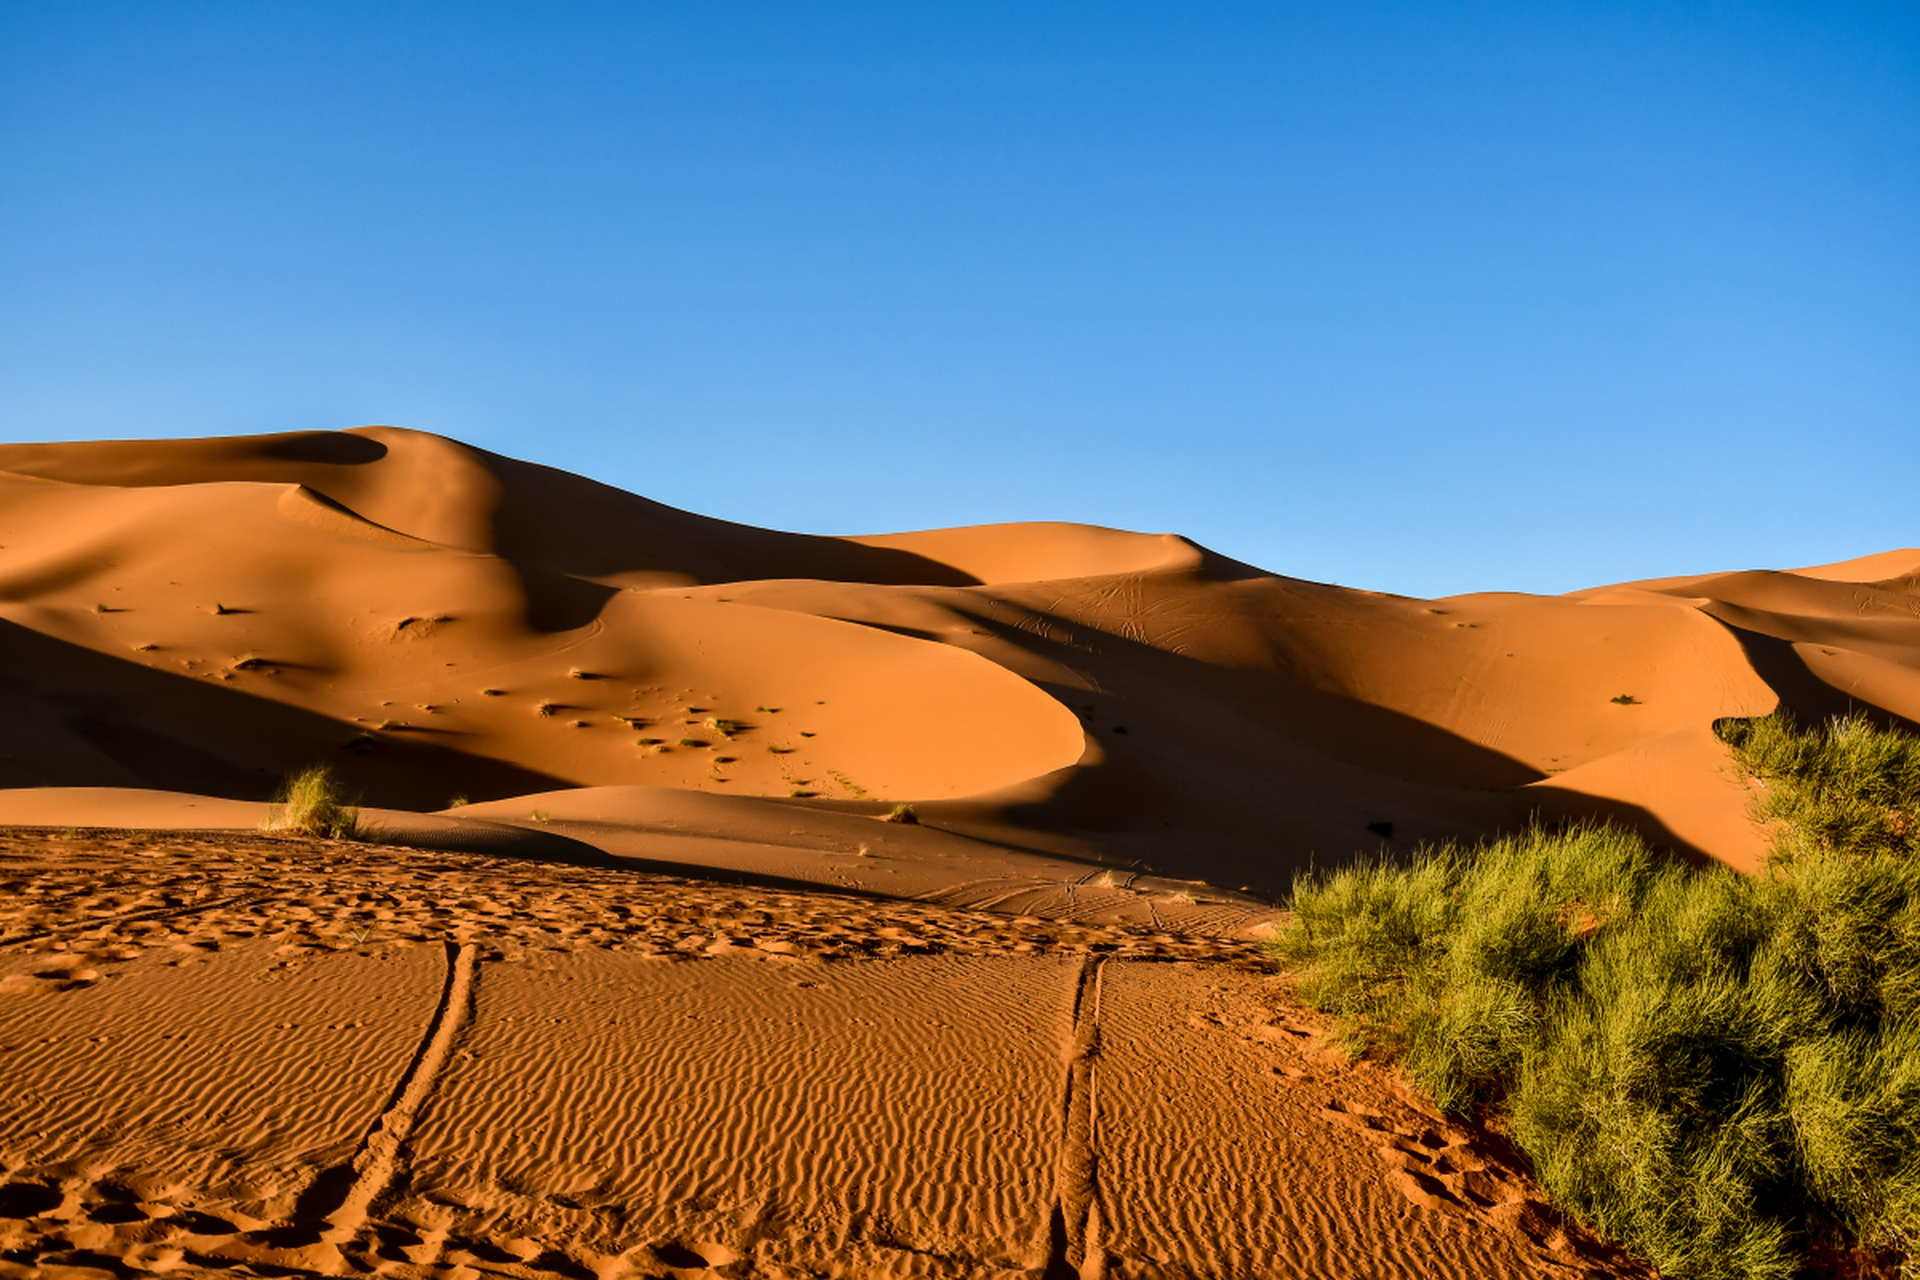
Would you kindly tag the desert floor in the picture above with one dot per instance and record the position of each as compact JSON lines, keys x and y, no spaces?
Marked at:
{"x":236,"y":1053}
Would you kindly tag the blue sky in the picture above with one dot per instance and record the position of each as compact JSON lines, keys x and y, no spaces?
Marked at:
{"x":1424,"y":298}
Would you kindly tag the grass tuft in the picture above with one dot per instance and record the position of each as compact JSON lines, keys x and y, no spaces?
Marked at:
{"x":1722,"y":1071}
{"x":314,"y":802}
{"x":904,"y":813}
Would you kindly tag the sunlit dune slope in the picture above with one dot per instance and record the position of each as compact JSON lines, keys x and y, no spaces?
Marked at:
{"x":438,"y":621}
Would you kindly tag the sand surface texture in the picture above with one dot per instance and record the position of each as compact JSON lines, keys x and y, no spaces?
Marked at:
{"x":309,"y":1057}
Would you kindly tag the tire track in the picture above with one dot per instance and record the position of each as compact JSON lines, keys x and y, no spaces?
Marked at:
{"x":1074,"y":1229}
{"x":381,"y":1156}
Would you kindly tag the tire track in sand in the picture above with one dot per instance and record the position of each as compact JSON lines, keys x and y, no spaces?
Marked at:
{"x":380,"y":1157}
{"x":1074,"y":1228}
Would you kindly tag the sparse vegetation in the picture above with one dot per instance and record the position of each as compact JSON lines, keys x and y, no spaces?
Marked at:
{"x":545,"y":708}
{"x":904,"y":813}
{"x":314,"y":802}
{"x":692,"y":742}
{"x":724,"y":727}
{"x":491,"y":693}
{"x":1626,"y":700}
{"x":1722,"y":1071}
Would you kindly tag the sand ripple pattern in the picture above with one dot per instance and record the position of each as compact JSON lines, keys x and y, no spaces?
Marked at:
{"x":893,"y":1110}
{"x":297,"y":1057}
{"x":242,"y":1071}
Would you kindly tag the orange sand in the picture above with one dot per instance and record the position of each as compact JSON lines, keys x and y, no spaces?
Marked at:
{"x":1101,"y":730}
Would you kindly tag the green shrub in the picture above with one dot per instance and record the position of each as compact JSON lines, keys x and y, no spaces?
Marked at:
{"x":1715,"y":1069}
{"x":313,"y":802}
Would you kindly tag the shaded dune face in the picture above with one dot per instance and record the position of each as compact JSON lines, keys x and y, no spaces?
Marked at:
{"x":437,"y":620}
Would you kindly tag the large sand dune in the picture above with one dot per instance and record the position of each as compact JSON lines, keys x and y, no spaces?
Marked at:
{"x":440,"y":622}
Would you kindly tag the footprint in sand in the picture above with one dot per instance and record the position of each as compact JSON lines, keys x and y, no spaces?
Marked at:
{"x":1444,"y":1168}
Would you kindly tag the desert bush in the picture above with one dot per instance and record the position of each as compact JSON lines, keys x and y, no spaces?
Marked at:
{"x":1716,"y":1069}
{"x":314,"y":802}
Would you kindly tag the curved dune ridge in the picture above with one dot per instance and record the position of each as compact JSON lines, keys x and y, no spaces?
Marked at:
{"x":442,"y":623}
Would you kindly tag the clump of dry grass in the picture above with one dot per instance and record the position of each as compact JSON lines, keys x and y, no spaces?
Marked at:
{"x":314,"y":802}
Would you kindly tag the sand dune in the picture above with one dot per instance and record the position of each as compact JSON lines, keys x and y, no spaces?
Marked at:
{"x":440,"y":622}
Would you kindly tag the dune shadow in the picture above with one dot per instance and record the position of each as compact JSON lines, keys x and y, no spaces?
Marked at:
{"x":70,"y":716}
{"x":329,"y":448}
{"x":1803,"y":695}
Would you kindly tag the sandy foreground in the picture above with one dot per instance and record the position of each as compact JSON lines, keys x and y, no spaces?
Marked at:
{"x":639,"y":979}
{"x":299,"y":1056}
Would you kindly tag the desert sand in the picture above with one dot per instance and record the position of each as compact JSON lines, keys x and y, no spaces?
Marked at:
{"x":639,"y":980}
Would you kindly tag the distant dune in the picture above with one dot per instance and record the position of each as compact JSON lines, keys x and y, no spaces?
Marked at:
{"x":201,"y":616}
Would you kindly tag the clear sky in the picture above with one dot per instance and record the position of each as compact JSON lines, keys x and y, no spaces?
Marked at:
{"x":1426,"y":297}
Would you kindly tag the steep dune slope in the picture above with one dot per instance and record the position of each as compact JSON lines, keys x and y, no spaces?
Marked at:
{"x":440,"y":621}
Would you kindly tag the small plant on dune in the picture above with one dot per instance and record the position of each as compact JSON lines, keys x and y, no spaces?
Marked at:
{"x":458,"y":802}
{"x":545,"y":708}
{"x":724,"y":727}
{"x":1722,"y":1071}
{"x":1626,"y":700}
{"x":692,"y":742}
{"x":779,"y":750}
{"x":904,"y":813}
{"x":491,"y":693}
{"x":313,"y":802}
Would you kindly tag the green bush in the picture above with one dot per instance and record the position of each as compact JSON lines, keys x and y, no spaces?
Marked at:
{"x":1713,"y":1068}
{"x":313,"y":802}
